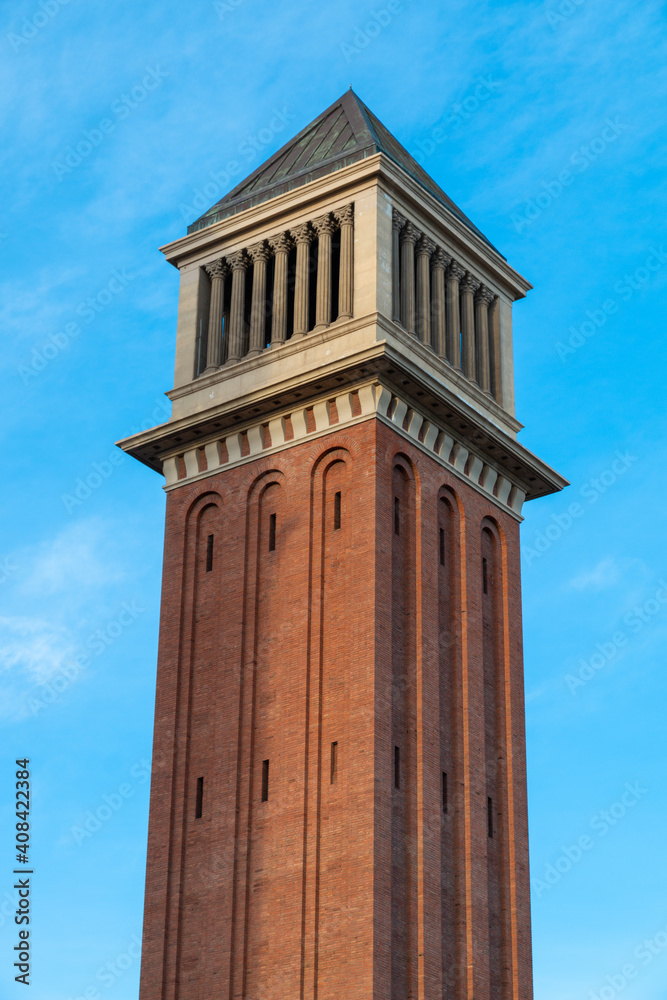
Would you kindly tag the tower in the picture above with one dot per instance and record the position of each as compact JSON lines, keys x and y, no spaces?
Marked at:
{"x":338,"y":807}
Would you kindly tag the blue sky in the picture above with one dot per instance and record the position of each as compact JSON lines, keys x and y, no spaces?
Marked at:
{"x":551,"y":139}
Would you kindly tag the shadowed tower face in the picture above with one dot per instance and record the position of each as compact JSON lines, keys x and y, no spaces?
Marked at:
{"x":338,"y":806}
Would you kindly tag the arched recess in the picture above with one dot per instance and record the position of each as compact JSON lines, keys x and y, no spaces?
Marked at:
{"x":197,"y":846}
{"x":329,"y":795}
{"x":265,"y":957}
{"x":452,"y":778}
{"x":403,"y":766}
{"x":492,"y":586}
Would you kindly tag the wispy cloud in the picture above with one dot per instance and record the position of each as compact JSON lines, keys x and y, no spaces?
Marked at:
{"x":605,"y":574}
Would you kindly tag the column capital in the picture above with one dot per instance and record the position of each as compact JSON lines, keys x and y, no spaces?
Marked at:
{"x":345,"y":215}
{"x":259,"y":251}
{"x":325,"y":225}
{"x":469,"y":283}
{"x":424,"y":246}
{"x":303,"y":233}
{"x":484,"y":295}
{"x":282,"y":243}
{"x":410,"y":233}
{"x":455,"y":270}
{"x":397,"y":220}
{"x":217,"y":268}
{"x":239,"y":261}
{"x":439,"y":258}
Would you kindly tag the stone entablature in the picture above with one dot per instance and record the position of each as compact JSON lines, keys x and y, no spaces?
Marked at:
{"x":321,"y":417}
{"x":262,"y":295}
{"x":445,"y":306}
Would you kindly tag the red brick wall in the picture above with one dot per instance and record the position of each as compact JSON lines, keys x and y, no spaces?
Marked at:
{"x":356,"y":636}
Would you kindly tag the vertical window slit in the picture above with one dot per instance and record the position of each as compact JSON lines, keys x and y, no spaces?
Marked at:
{"x":397,"y":767}
{"x":334,"y":763}
{"x":442,"y":546}
{"x":265,"y":781}
{"x":397,"y":516}
{"x":272,"y":533}
{"x":485,"y":579}
{"x":444,"y":791}
{"x":337,"y":501}
{"x":209,"y":553}
{"x":489,"y":815}
{"x":199,"y":799}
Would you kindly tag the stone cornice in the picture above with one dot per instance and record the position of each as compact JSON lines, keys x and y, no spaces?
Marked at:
{"x":370,"y":400}
{"x":438,"y":403}
{"x":248,"y":225}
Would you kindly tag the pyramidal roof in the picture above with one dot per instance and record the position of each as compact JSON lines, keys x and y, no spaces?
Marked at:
{"x":345,"y":133}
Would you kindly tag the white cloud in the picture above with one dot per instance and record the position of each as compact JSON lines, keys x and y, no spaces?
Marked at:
{"x":79,"y":558}
{"x":605,"y":574}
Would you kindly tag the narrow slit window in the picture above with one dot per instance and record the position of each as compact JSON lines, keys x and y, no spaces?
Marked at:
{"x":334,"y":763}
{"x":442,"y":546}
{"x":199,"y":799}
{"x":272,"y":533}
{"x":397,"y":767}
{"x":209,"y":553}
{"x":337,"y":502}
{"x":444,"y":791}
{"x":397,"y":516}
{"x":485,"y":577}
{"x":489,"y":815}
{"x":265,"y":781}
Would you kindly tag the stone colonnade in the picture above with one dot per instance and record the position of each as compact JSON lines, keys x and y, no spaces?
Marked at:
{"x":443,"y":305}
{"x":275,"y":275}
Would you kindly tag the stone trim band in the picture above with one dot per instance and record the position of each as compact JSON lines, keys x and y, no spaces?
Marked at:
{"x":299,"y":424}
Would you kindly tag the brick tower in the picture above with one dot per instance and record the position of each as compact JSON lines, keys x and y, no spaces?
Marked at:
{"x":338,"y":808}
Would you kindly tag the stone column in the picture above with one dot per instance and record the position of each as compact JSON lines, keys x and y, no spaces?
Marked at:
{"x":324,"y":228}
{"x":409,"y":236}
{"x":345,"y":218}
{"x":217,"y":272}
{"x":239,"y":265}
{"x":483,"y":297}
{"x":281,"y":246}
{"x":454,"y":274}
{"x":423,"y":250}
{"x":468,"y":286}
{"x":260,"y":256}
{"x":494,"y":351}
{"x":439,"y":262}
{"x":302,"y":237}
{"x":397,"y":223}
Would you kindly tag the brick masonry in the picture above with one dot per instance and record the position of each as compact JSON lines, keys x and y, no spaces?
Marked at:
{"x":339,"y":884}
